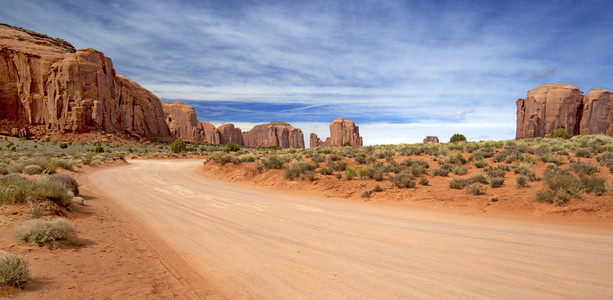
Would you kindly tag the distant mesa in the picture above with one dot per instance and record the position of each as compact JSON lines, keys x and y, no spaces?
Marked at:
{"x":557,"y":105}
{"x":341,"y":131}
{"x":431,"y":139}
{"x":181,"y":119}
{"x":47,"y":87}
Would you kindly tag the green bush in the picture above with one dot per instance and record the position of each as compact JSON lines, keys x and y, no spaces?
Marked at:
{"x":496,"y":182}
{"x":337,"y":165}
{"x":298,"y":169}
{"x":594,"y":184}
{"x":32,"y":169}
{"x":231,"y":147}
{"x":457,"y":183}
{"x":403,"y":180}
{"x":65,"y":181}
{"x":347,"y":144}
{"x":178,"y":146}
{"x":326,"y":171}
{"x":479,"y":177}
{"x":17,"y":189}
{"x":14,"y":269}
{"x":443,"y":172}
{"x":98,"y":148}
{"x":459,"y":169}
{"x":560,"y":133}
{"x":272,"y":162}
{"x":46,"y":232}
{"x":457,"y":138}
{"x":349,"y":173}
{"x":522,"y":181}
{"x":580,"y":167}
{"x":476,"y":189}
{"x":481,"y":164}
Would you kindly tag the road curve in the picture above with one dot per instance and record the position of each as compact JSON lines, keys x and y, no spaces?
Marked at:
{"x":252,"y":243}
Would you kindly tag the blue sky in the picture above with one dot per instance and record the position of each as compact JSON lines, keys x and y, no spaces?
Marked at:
{"x":400,"y":69}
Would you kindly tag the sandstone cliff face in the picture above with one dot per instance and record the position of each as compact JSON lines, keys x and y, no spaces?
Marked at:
{"x":597,"y":113}
{"x":341,"y":131}
{"x":279,"y":134}
{"x":44,"y":81}
{"x":557,"y":105}
{"x":181,"y":120}
{"x":228,"y":133}
{"x":431,"y":139}
{"x":548,"y":108}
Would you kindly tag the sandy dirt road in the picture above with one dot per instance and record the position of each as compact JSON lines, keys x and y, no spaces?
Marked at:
{"x":252,"y":243}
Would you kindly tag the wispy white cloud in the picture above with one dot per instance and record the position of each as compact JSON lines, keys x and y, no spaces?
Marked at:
{"x":417,"y":63}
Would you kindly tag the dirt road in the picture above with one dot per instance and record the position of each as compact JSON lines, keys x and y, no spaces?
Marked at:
{"x":252,"y":243}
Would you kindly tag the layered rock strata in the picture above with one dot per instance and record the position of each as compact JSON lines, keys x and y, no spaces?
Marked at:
{"x":341,"y":131}
{"x":44,"y":81}
{"x":431,"y":139}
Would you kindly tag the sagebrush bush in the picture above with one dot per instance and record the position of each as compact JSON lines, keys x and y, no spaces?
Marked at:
{"x":14,"y":269}
{"x":594,"y":184}
{"x":479,"y":177}
{"x":272,"y":162}
{"x":580,"y":167}
{"x":298,"y":169}
{"x":496,"y":182}
{"x":349,"y":173}
{"x":46,"y":232}
{"x":459,"y":169}
{"x":32,"y":169}
{"x":457,"y":183}
{"x":424,"y":181}
{"x":377,"y":188}
{"x":366,"y":194}
{"x":65,"y":181}
{"x":481,"y":164}
{"x":17,"y":189}
{"x":403,"y":180}
{"x":364,"y":171}
{"x":522,"y":181}
{"x":443,"y":172}
{"x":476,"y":189}
{"x":337,"y":165}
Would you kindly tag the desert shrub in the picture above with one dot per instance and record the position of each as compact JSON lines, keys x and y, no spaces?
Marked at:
{"x":349,"y":173}
{"x":178,"y":146}
{"x":502,"y":155}
{"x":364,"y":172}
{"x":225,"y":159}
{"x":550,"y":196}
{"x":247,"y":158}
{"x":457,"y":138}
{"x":494,"y":199}
{"x":476,"y":189}
{"x":366,"y":194}
{"x":17,"y":189}
{"x":32,"y":169}
{"x":377,"y":175}
{"x":334,"y":157}
{"x":347,"y":144}
{"x":231,"y":147}
{"x":459,"y":169}
{"x":480,"y":163}
{"x":360,"y":159}
{"x":424,"y":181}
{"x":443,"y":172}
{"x":325,"y":171}
{"x":498,"y":171}
{"x":560,"y":133}
{"x":338,"y":176}
{"x":479,"y":177}
{"x":457,"y":183}
{"x":337,"y":165}
{"x":377,"y":188}
{"x":65,"y":181}
{"x":606,"y":159}
{"x":561,"y":186}
{"x":583,"y":152}
{"x":580,"y":167}
{"x":418,"y":170}
{"x":63,"y":145}
{"x":272,"y":162}
{"x":298,"y":169}
{"x":318,"y":158}
{"x":594,"y":184}
{"x":403,"y":180}
{"x":46,"y":232}
{"x":100,"y":149}
{"x":522,"y":181}
{"x":496,"y":182}
{"x":550,"y":158}
{"x":14,"y":269}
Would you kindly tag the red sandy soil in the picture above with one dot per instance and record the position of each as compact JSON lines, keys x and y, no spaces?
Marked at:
{"x":112,"y":258}
{"x":512,"y":202}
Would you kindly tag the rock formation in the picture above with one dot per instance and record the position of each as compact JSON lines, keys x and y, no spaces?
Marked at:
{"x":557,"y":105}
{"x":228,"y":133}
{"x":431,"y":139}
{"x":597,"y":113}
{"x":341,"y":131}
{"x":278,"y":134}
{"x":548,"y":108}
{"x":44,"y":81}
